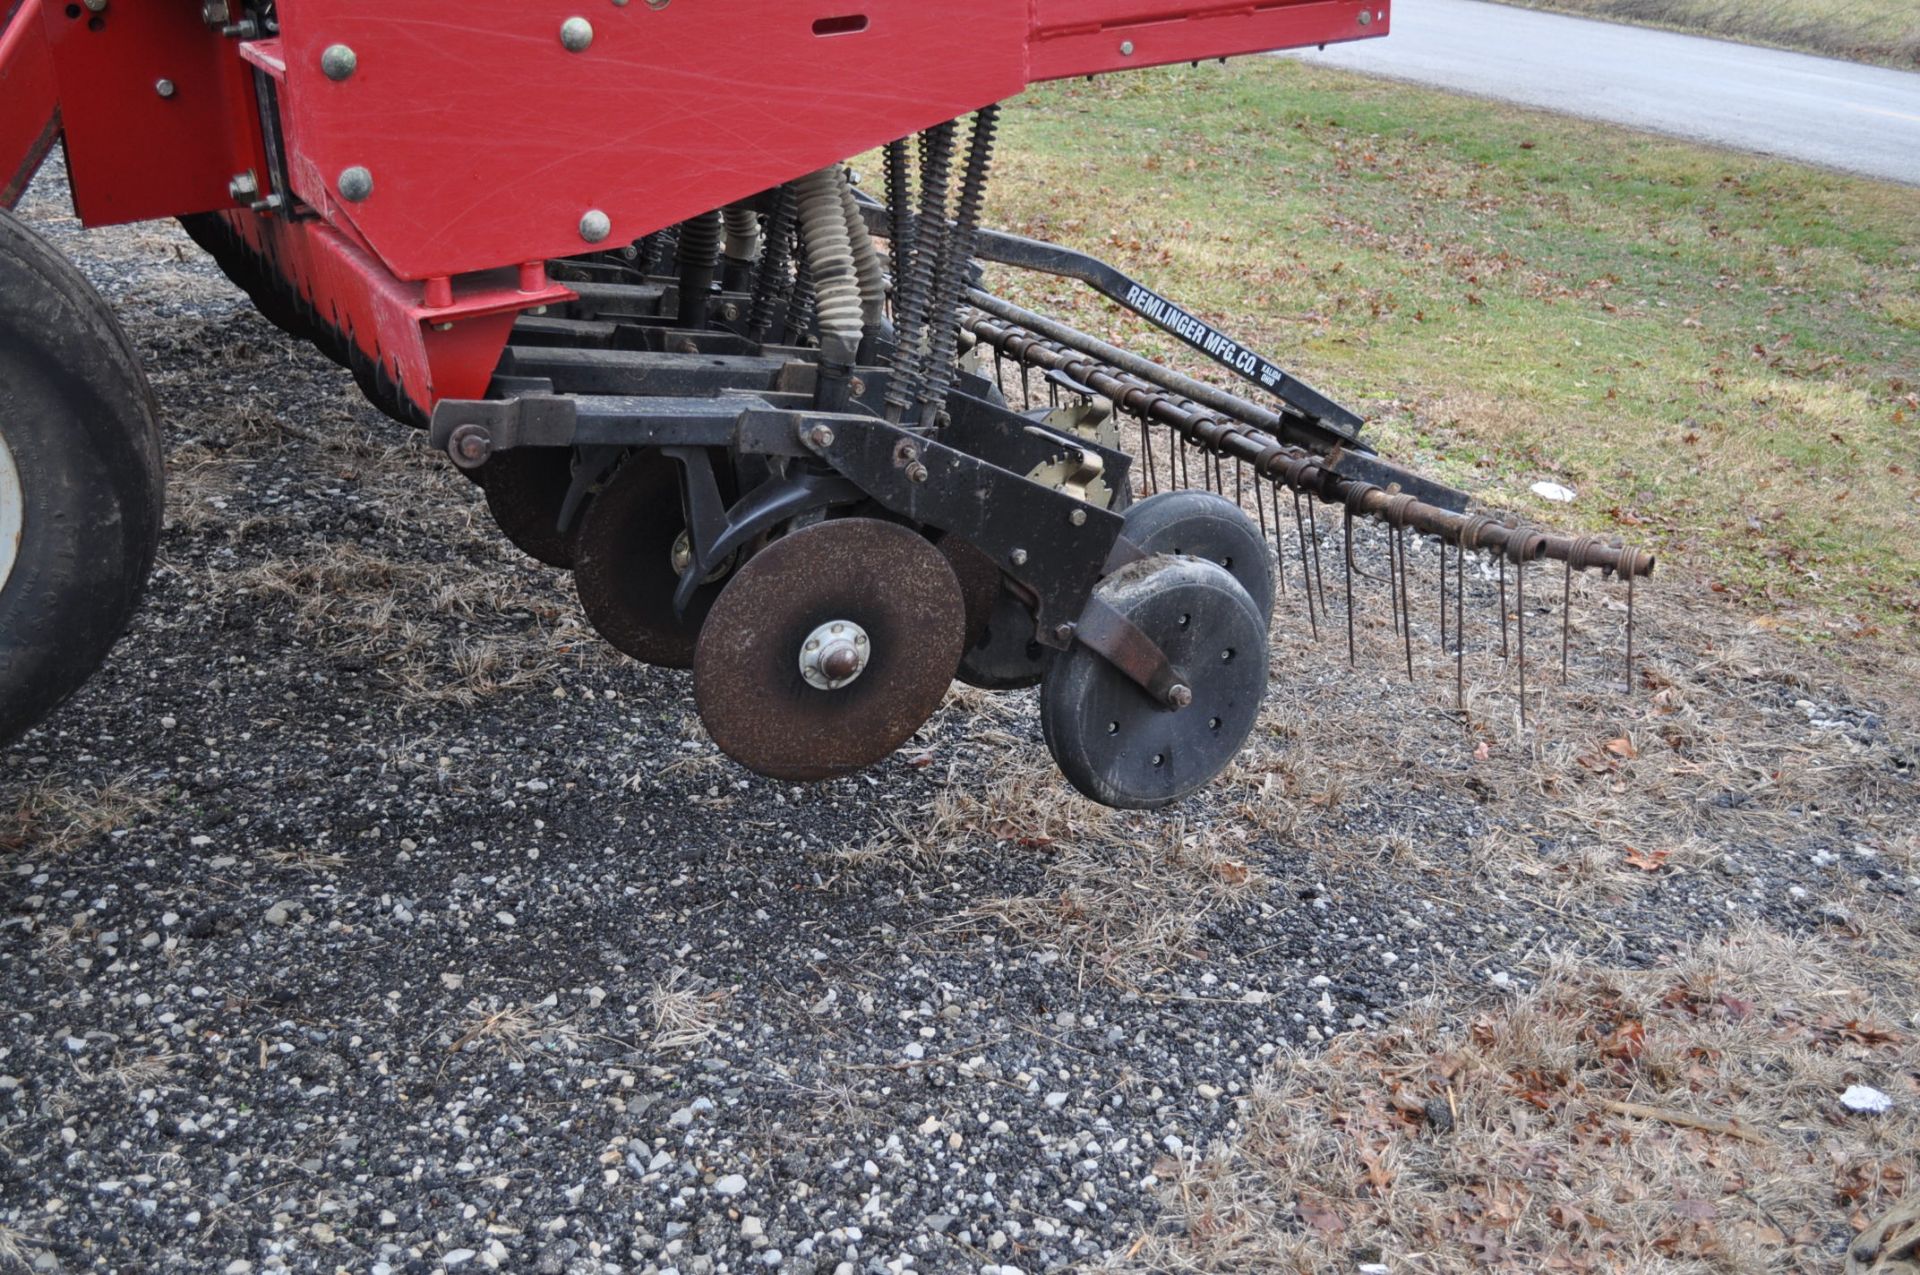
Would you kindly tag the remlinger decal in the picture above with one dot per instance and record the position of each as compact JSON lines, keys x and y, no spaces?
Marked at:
{"x":1218,"y":345}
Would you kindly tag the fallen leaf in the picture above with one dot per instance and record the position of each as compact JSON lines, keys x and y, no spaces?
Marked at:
{"x":1622,"y":747}
{"x":1646,"y":862}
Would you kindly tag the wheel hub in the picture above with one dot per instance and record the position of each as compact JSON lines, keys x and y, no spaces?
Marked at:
{"x":835,"y":655}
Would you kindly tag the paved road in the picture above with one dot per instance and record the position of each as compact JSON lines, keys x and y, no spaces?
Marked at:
{"x":1863,"y":119}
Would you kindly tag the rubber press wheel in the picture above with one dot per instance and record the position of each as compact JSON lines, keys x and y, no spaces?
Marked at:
{"x":1118,"y":745}
{"x":80,"y":479}
{"x":1199,"y":524}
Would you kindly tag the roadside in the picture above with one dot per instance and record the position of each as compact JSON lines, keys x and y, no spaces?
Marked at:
{"x":1814,"y":110}
{"x":368,"y":913}
{"x":1888,"y":35}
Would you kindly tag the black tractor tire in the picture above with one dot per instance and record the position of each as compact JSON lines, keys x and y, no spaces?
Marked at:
{"x":81,"y":486}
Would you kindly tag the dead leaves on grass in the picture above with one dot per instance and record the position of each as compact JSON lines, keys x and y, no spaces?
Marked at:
{"x":1682,"y":1118}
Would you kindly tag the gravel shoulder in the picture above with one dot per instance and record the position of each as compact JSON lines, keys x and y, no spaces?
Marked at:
{"x":368,"y":914}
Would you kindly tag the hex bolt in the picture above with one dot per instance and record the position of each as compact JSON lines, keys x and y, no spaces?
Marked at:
{"x":339,"y":62}
{"x":1180,"y":695}
{"x":1365,"y":17}
{"x":595,"y":226}
{"x":1018,"y":557}
{"x":1063,"y":632}
{"x":355,"y":184}
{"x":1126,"y":48}
{"x":916,"y":472}
{"x":470,"y":446}
{"x":576,"y":35}
{"x":244,"y":188}
{"x":96,"y":6}
{"x":820,"y":436}
{"x":163,"y":87}
{"x":1078,"y":517}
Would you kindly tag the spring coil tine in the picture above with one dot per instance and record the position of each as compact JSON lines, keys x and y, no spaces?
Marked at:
{"x":1460,"y":626}
{"x":1279,"y":539}
{"x":1319,"y":573}
{"x":1406,"y":598}
{"x":1503,"y":609}
{"x":900,"y":223}
{"x":915,"y":292}
{"x":1442,"y":546}
{"x":953,"y":267}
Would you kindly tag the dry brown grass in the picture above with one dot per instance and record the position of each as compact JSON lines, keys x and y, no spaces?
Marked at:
{"x":54,"y":818}
{"x":1683,"y":1118}
{"x":685,"y":1011}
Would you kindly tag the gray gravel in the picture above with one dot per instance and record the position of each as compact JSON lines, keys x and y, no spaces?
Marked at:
{"x":357,"y":980}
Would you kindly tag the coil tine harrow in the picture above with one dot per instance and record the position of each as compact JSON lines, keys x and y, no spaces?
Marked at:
{"x":1228,"y":446}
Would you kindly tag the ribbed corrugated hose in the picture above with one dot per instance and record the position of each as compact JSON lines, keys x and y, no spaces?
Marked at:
{"x":743,"y":248}
{"x":699,"y":258}
{"x":871,"y":268}
{"x":838,"y":312}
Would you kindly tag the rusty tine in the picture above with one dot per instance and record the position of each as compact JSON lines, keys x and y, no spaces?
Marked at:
{"x":1306,"y":566}
{"x":1630,"y":575}
{"x":1279,"y":541}
{"x":1026,"y":387}
{"x":1503,"y":608}
{"x":1442,"y":546}
{"x":1319,"y":572}
{"x":1348,"y":556}
{"x":1520,"y":593}
{"x":1259,"y":506}
{"x":1000,"y":371}
{"x":1393,"y":577}
{"x":1459,"y":626}
{"x":1239,"y":489}
{"x":1146,"y":450}
{"x":1406,"y":599}
{"x":1566,"y":621}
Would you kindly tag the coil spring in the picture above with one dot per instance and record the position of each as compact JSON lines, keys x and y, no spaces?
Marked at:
{"x":899,"y":216}
{"x":700,"y":241}
{"x":959,"y":252}
{"x":773,"y":282}
{"x":930,"y":237}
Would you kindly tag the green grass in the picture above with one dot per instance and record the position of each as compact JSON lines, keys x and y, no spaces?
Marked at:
{"x":1888,"y":33}
{"x":1720,"y":353}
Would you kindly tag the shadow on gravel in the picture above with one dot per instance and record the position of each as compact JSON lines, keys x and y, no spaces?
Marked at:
{"x":368,"y":913}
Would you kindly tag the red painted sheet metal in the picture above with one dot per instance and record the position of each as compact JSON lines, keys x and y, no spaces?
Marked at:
{"x":1088,"y":37}
{"x":29,"y":101}
{"x":133,"y":153}
{"x":432,"y":351}
{"x":488,"y":140}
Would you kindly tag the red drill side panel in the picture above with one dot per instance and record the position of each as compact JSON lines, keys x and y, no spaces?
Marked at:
{"x":134,"y":150}
{"x":1088,"y":37}
{"x":488,"y":139}
{"x":29,"y":101}
{"x":432,"y":351}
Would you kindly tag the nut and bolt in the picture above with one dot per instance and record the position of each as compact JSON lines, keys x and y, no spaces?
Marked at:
{"x":1365,"y":17}
{"x":1126,"y":48}
{"x":576,"y":35}
{"x":1063,"y":632}
{"x":916,"y":472}
{"x":730,"y":311}
{"x":355,"y":184}
{"x":1180,"y":695}
{"x":164,"y":88}
{"x":820,"y":436}
{"x":244,"y":188}
{"x":96,"y":6}
{"x":470,"y":446}
{"x":1018,"y":557}
{"x":1078,"y":517}
{"x":339,"y":62}
{"x":595,"y":226}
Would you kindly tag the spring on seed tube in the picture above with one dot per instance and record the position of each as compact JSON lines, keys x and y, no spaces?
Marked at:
{"x":930,"y":237}
{"x":953,"y":266}
{"x":698,"y":256}
{"x":772,"y":283}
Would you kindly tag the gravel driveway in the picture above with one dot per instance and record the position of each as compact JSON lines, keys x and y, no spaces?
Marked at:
{"x":368,"y":915}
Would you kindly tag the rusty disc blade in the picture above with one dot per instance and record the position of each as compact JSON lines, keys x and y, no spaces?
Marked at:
{"x":623,"y":564}
{"x":979,"y":584}
{"x":526,"y":489}
{"x":747,"y":680}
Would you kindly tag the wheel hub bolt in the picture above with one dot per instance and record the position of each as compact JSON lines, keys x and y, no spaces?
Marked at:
{"x":1180,"y":695}
{"x":470,"y":446}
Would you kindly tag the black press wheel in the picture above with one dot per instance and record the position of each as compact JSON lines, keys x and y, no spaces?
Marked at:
{"x":80,"y":479}
{"x":1117,"y":744}
{"x":1199,"y":524}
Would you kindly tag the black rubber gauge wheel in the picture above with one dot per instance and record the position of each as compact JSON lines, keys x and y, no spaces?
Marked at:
{"x":80,"y":479}
{"x":526,"y":490}
{"x":1117,"y":744}
{"x":628,"y":554}
{"x":829,"y":649}
{"x":1199,"y":524}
